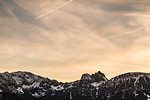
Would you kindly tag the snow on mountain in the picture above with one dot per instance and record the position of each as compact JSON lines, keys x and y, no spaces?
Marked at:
{"x":22,"y":82}
{"x":95,"y":86}
{"x":57,"y":88}
{"x":35,"y":95}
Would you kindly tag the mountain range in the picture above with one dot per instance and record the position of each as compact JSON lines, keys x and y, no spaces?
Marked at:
{"x":28,"y":86}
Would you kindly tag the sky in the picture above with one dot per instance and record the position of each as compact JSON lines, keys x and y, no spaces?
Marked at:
{"x":62,"y":39}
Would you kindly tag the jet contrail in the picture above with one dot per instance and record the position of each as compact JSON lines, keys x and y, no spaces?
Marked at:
{"x":125,"y":33}
{"x":53,"y":9}
{"x":138,"y":15}
{"x":132,"y":15}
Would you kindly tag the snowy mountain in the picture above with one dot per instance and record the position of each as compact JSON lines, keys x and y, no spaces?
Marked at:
{"x":27,"y":86}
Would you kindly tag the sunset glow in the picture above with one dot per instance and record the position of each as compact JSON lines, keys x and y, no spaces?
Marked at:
{"x":63,"y":39}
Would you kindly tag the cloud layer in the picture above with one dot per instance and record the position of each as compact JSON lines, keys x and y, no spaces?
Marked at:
{"x":83,"y":36}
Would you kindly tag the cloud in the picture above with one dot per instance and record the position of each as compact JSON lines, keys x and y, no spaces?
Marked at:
{"x":48,"y":12}
{"x":84,"y":36}
{"x":119,"y":7}
{"x":24,"y":16}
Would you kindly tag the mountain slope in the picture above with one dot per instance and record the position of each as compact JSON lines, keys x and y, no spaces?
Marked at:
{"x":28,"y":86}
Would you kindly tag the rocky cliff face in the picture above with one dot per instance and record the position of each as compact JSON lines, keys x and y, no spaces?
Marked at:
{"x":28,"y":86}
{"x":97,"y":77}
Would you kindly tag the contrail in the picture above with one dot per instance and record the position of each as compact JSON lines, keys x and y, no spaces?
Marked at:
{"x":138,"y":15}
{"x":125,"y":33}
{"x":42,"y":15}
{"x":132,"y":15}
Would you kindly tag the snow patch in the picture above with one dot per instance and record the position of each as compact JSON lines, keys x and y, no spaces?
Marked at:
{"x":96,"y":84}
{"x":29,"y":80}
{"x":19,"y":89}
{"x":69,"y":87}
{"x":57,"y":87}
{"x":148,"y":97}
{"x":26,"y":86}
{"x":70,"y":96}
{"x":52,"y":94}
{"x":34,"y":85}
{"x":18,"y":80}
{"x":36,"y":95}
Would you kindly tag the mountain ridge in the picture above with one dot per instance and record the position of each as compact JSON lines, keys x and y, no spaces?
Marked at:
{"x":90,"y":87}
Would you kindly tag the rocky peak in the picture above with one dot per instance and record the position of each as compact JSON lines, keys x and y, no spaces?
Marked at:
{"x":86,"y":77}
{"x":97,"y":77}
{"x":99,"y":74}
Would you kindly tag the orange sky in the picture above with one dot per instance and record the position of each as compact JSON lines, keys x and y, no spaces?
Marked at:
{"x":82,"y":36}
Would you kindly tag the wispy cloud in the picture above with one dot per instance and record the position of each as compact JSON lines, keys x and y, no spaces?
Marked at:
{"x":48,"y":12}
{"x":89,"y":35}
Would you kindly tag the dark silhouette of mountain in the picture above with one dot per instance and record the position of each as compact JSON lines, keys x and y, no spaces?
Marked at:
{"x":27,"y":86}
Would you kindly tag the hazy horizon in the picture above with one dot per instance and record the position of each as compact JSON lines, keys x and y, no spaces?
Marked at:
{"x":62,"y":39}
{"x":78,"y":78}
